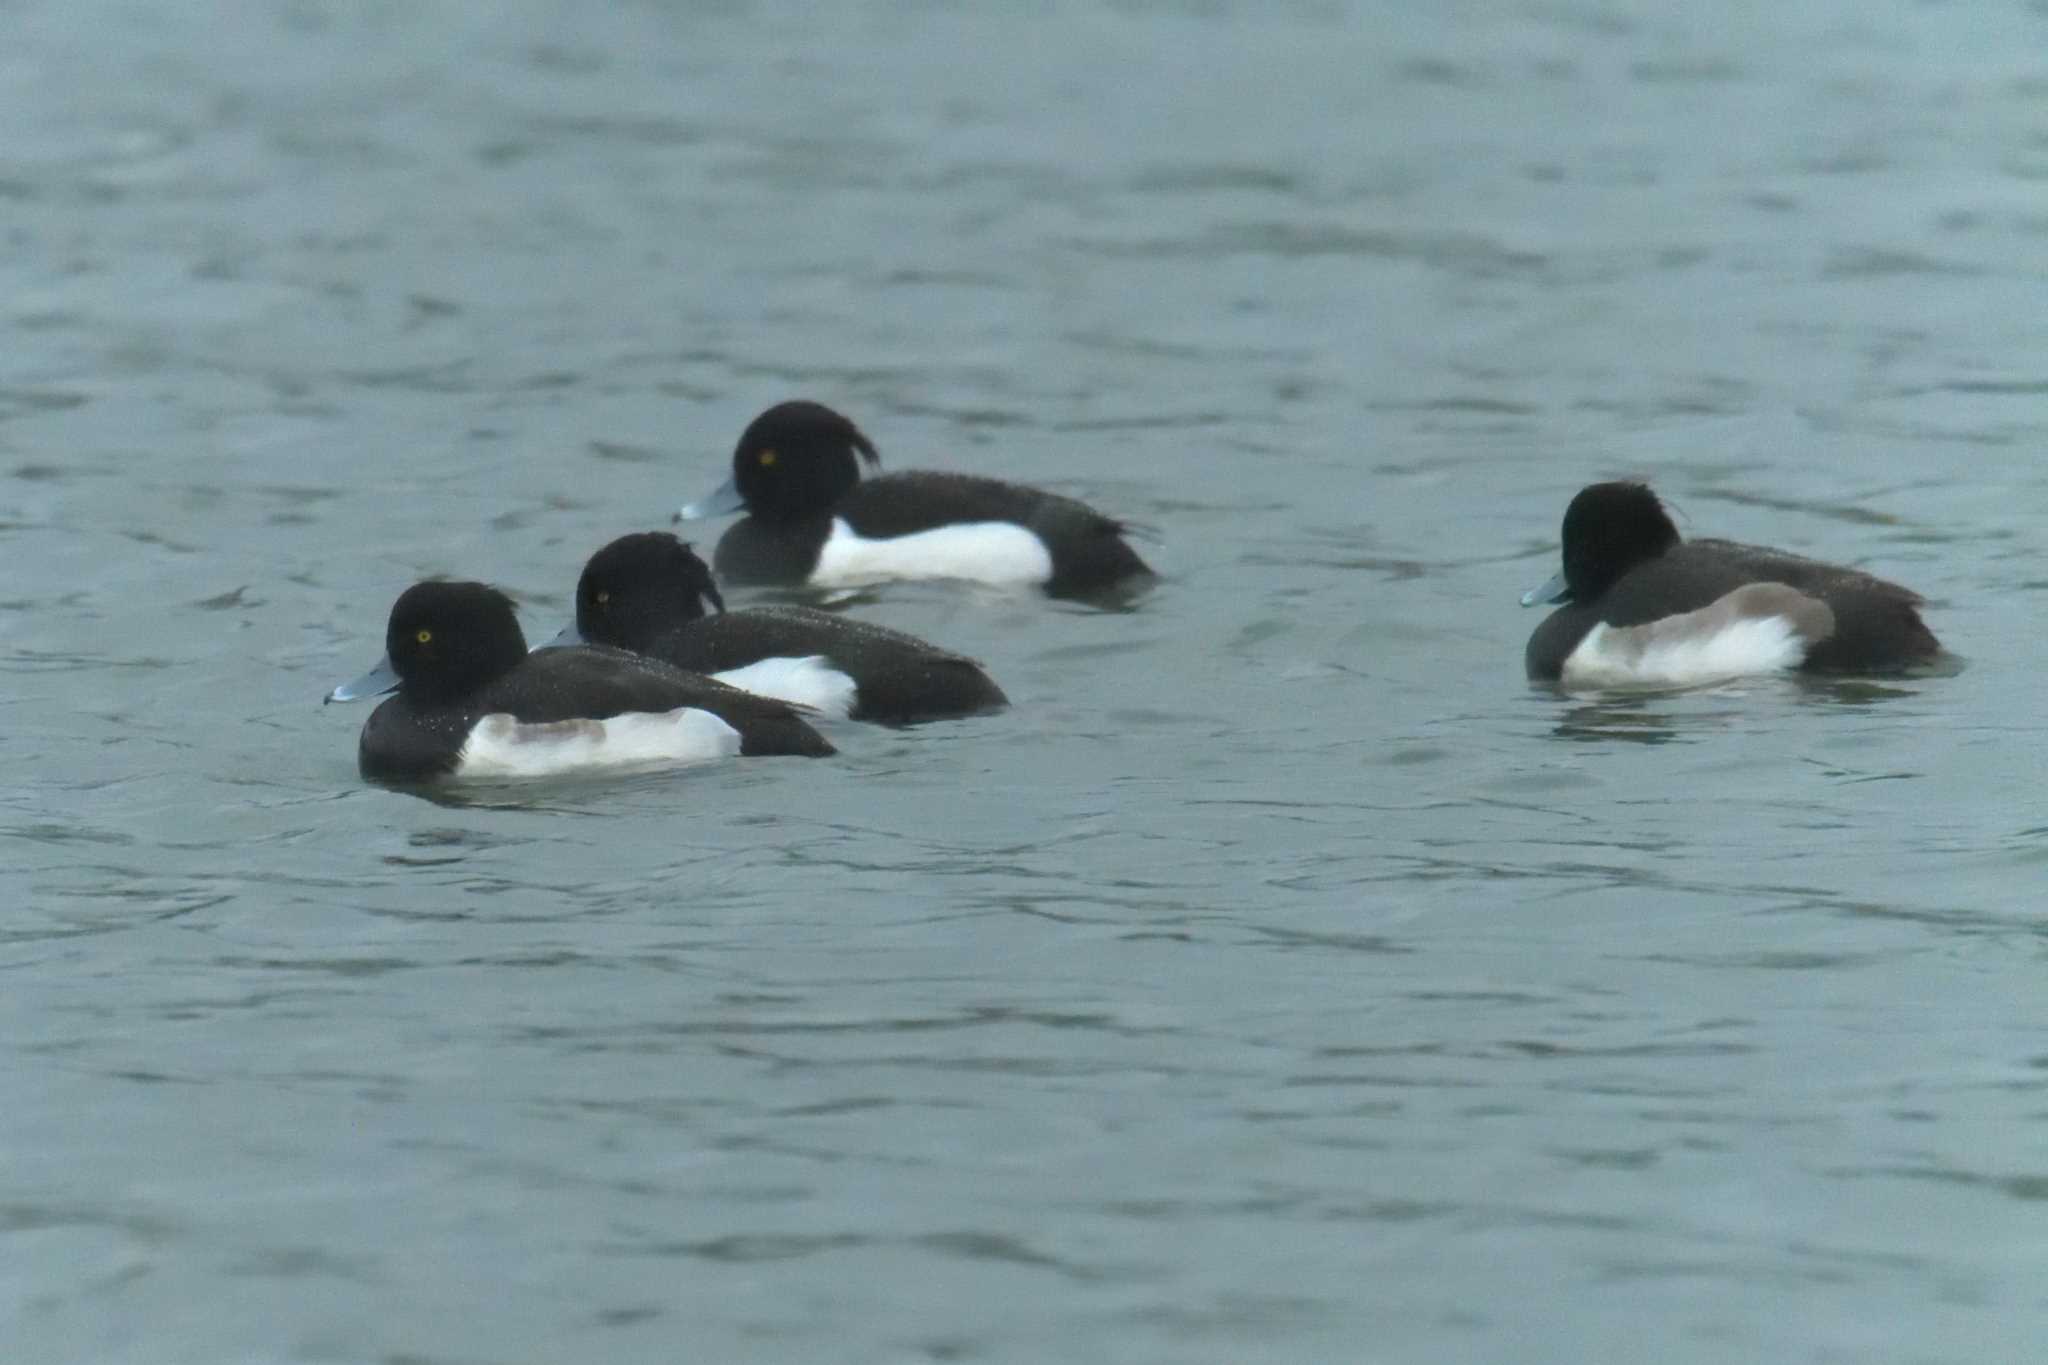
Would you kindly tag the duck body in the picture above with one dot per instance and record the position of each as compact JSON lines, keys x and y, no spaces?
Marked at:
{"x":813,"y":519}
{"x":572,"y":698}
{"x":650,"y":594}
{"x":1625,"y":567}
{"x":897,"y":677}
{"x":472,"y":702}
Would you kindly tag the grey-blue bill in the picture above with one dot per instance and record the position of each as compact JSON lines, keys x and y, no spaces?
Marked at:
{"x":567,"y":635}
{"x":379,"y":680}
{"x":722,"y":501}
{"x":1553,"y":590}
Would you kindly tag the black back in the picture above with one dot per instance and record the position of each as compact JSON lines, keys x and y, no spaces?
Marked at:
{"x":1088,"y":549}
{"x":897,"y":677}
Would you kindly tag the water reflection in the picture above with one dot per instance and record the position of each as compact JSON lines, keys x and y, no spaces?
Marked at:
{"x":1627,"y":718}
{"x":1656,"y":716}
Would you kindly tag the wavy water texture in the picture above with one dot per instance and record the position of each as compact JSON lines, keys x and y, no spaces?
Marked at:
{"x":1280,"y":978}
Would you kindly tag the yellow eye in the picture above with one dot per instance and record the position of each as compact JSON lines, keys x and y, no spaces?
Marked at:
{"x":424,"y":636}
{"x":767,"y":459}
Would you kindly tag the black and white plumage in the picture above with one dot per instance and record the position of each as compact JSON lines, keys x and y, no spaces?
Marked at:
{"x":812,"y":518}
{"x":651,"y":594}
{"x":471,"y":701}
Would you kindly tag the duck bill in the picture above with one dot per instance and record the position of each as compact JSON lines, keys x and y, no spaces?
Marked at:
{"x":722,"y":503}
{"x":379,"y":680}
{"x":1554,"y":590}
{"x":565,"y":637}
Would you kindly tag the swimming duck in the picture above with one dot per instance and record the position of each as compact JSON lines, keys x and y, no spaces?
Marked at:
{"x":472,"y":702}
{"x":812,"y":518}
{"x":649,"y":593}
{"x":1638,"y":604}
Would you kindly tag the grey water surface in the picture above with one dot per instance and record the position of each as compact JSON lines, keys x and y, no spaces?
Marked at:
{"x":1283,"y":978}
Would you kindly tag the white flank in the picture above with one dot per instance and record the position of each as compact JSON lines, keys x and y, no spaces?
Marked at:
{"x":810,"y":681}
{"x":1667,"y":654}
{"x":997,"y":552}
{"x":500,"y":746}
